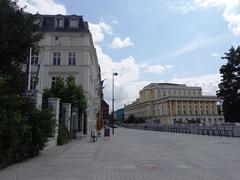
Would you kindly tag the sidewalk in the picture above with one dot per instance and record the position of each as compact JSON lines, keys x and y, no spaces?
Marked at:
{"x":135,"y":155}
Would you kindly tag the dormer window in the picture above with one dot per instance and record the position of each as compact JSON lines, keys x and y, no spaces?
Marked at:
{"x":38,"y":21}
{"x":59,"y":22}
{"x":73,"y":23}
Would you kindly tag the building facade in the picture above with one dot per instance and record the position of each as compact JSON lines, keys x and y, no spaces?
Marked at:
{"x":67,"y":49}
{"x":120,"y":115}
{"x":166,"y":103}
{"x":105,"y":111}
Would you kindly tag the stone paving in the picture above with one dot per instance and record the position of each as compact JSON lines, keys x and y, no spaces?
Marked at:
{"x":135,"y":155}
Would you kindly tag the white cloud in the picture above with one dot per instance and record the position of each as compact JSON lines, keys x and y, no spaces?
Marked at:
{"x":169,"y":66}
{"x":127,"y":69}
{"x":231,"y":10}
{"x":198,"y":43}
{"x":157,"y":69}
{"x":209,"y":82}
{"x":43,"y":6}
{"x":99,"y":30}
{"x":215,"y":55}
{"x":106,"y":27}
{"x":115,"y":22}
{"x":127,"y":82}
{"x":119,"y":43}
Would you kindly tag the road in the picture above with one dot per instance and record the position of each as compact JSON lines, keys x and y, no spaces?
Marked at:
{"x":135,"y":155}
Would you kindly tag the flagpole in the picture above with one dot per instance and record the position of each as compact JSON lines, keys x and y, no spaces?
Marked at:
{"x":41,"y":82}
{"x":29,"y":69}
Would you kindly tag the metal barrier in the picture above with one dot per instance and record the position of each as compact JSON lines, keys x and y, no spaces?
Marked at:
{"x":227,"y":131}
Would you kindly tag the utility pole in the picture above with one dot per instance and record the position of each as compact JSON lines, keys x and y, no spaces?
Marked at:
{"x":114,"y":74}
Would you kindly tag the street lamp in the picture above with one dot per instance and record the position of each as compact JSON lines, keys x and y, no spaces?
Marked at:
{"x":114,"y":74}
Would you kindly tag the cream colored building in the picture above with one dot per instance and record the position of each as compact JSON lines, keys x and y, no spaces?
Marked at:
{"x":67,"y":49}
{"x":166,"y":103}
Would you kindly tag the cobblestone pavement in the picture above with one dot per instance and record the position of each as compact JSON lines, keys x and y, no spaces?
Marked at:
{"x":135,"y":155}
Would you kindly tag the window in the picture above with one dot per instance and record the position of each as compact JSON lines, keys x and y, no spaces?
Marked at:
{"x":54,"y":79}
{"x":72,"y":58}
{"x":56,"y":58}
{"x":33,"y":82}
{"x":159,"y":93}
{"x":73,"y":23}
{"x":59,"y":22}
{"x":34,"y":59}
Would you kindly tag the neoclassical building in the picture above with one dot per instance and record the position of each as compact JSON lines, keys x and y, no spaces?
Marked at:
{"x":67,"y":49}
{"x":167,"y":103}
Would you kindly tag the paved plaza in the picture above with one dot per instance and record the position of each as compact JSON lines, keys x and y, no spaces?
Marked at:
{"x":135,"y":155}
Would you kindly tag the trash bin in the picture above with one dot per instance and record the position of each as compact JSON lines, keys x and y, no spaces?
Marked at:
{"x":107,"y":132}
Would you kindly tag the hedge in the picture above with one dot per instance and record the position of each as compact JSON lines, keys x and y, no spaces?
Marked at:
{"x":23,"y":129}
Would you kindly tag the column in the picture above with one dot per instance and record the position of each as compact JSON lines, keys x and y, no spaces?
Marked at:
{"x":176,"y":108}
{"x":215,"y":109}
{"x":188,"y":112}
{"x":210,"y":108}
{"x":74,"y":122}
{"x":166,"y":108}
{"x":170,"y":109}
{"x":182,"y":108}
{"x":54,"y":104}
{"x":199,"y":109}
{"x":66,"y":114}
{"x":204,"y":107}
{"x":193,"y":108}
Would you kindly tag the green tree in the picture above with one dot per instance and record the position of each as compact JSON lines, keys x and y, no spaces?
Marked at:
{"x":229,"y":88}
{"x":23,"y":129}
{"x":68,"y":92}
{"x":131,"y":119}
{"x":18,"y":33}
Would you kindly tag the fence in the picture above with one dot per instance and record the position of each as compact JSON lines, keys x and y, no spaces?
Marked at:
{"x":228,"y":131}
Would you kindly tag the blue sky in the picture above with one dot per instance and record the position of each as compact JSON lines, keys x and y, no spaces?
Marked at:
{"x":177,"y":41}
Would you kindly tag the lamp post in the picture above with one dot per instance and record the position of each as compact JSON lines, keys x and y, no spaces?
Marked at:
{"x":114,"y":74}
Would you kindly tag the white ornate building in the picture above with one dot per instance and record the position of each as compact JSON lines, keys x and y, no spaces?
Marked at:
{"x":166,"y":103}
{"x":67,"y":49}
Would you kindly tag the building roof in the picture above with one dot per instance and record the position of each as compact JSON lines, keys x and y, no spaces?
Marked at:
{"x":162,"y":84}
{"x":47,"y":23}
{"x":104,"y":103}
{"x":168,"y":85}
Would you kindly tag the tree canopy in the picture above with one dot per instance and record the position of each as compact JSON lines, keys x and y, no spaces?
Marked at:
{"x":229,"y":88}
{"x":68,"y":92}
{"x":24,"y":129}
{"x":18,"y":33}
